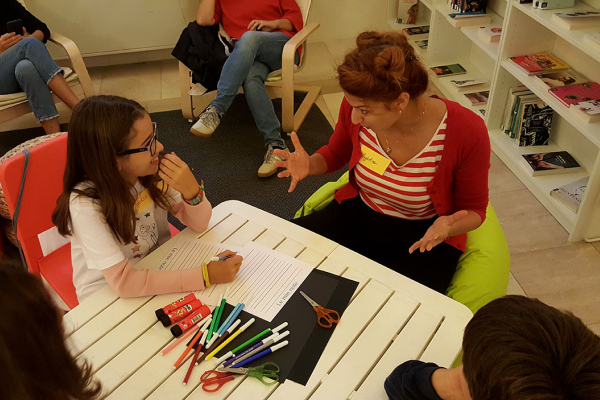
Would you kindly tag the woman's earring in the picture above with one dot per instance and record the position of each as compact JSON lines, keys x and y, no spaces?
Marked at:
{"x":400,"y":112}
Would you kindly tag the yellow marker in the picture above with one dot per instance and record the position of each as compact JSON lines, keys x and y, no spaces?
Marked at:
{"x":230,"y":338}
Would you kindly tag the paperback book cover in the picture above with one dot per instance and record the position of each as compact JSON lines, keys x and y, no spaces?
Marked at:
{"x":576,"y":93}
{"x":536,"y":124}
{"x":562,"y":78}
{"x":448,"y":70}
{"x":416,"y":30}
{"x":588,"y":110}
{"x":517,"y":113}
{"x":408,"y":11}
{"x":534,"y":64}
{"x":422,"y":43}
{"x":510,"y":102}
{"x":571,"y":194}
{"x":466,"y":83}
{"x":478,"y":98}
{"x":558,"y":162}
{"x":490,"y":33}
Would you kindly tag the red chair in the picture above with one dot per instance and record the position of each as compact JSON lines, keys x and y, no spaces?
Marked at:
{"x":43,"y":185}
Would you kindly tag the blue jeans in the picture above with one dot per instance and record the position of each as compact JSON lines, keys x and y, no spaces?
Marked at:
{"x":255,"y":55}
{"x":27,"y":67}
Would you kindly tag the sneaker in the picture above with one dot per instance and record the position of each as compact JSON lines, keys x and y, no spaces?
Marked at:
{"x":207,"y":123}
{"x":267,"y":168}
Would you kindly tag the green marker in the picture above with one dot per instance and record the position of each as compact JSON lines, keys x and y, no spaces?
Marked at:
{"x":211,"y":330}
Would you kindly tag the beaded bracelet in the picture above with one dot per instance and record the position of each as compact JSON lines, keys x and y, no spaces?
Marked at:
{"x":198,"y":198}
{"x":205,"y":275}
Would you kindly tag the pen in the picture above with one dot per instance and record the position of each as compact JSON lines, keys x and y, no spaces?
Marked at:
{"x":193,"y":363}
{"x":257,"y":348}
{"x":219,"y":258}
{"x":214,"y":321}
{"x":261,"y":354}
{"x":236,"y":334}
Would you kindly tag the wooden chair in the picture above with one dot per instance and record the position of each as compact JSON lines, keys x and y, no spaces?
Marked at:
{"x":280,"y":83}
{"x":15,"y":105}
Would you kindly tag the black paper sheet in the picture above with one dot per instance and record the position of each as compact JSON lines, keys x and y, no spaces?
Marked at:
{"x":307,"y":339}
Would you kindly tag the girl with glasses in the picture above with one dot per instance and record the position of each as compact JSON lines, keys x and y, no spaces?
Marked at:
{"x":117,"y":192}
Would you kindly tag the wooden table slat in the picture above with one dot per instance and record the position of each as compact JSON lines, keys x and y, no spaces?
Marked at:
{"x":357,"y":276}
{"x":332,"y":266}
{"x":358,"y":361}
{"x":447,"y":342}
{"x":247,"y":233}
{"x":83,"y":313}
{"x":290,"y":247}
{"x":409,"y":345}
{"x":311,"y":256}
{"x":270,"y":239}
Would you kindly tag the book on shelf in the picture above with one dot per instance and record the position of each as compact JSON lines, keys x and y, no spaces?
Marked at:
{"x":593,"y":39}
{"x":490,"y":33}
{"x":577,"y":20}
{"x":468,"y":6}
{"x":478,"y":98}
{"x":561,"y":78}
{"x":508,"y":106}
{"x":571,"y":194}
{"x":458,"y":20}
{"x":524,"y":1}
{"x":408,"y":11}
{"x":557,"y":162}
{"x":534,"y":64}
{"x":588,"y":110}
{"x":536,"y":123}
{"x":449,"y":70}
{"x":516,"y":113}
{"x":467,"y":83}
{"x":422,"y":43}
{"x":416,"y":30}
{"x":576,"y":93}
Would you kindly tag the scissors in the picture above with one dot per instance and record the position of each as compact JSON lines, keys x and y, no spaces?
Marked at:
{"x":219,"y":379}
{"x":267,"y":370}
{"x":330,"y":317}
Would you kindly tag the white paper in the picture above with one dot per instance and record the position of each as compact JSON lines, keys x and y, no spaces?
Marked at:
{"x":51,"y":240}
{"x":268,"y":279}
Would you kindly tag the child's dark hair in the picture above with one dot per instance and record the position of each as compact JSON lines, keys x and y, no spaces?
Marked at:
{"x":520,"y":348}
{"x":34,"y":359}
{"x":382,"y":67}
{"x":100,"y":128}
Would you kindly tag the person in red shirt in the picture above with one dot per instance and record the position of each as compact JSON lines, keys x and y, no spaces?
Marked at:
{"x":418,"y":165}
{"x":260,"y":29}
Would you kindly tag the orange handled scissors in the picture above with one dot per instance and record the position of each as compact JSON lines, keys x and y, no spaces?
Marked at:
{"x":325,"y":317}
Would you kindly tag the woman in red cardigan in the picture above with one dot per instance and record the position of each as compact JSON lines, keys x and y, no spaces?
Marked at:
{"x":418,"y":165}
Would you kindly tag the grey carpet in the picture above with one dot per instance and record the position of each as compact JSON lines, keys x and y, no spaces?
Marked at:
{"x":229,"y":160}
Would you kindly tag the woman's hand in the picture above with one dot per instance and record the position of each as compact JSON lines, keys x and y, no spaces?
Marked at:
{"x":8,"y":40}
{"x":224,"y":271}
{"x":177,"y":174}
{"x":438,"y":231}
{"x":265,"y":26}
{"x":297,"y":164}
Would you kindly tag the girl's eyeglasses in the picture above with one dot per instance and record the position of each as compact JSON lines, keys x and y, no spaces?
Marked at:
{"x":151,"y":146}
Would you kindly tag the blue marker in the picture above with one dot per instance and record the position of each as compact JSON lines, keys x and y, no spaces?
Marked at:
{"x":261,"y":354}
{"x":219,"y":258}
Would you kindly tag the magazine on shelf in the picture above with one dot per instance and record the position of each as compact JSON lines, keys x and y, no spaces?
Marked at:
{"x":577,"y":20}
{"x":478,"y":98}
{"x":558,"y":162}
{"x":571,"y":194}
{"x":536,"y":124}
{"x":534,"y":64}
{"x":490,"y":33}
{"x":416,"y":30}
{"x":562,"y":78}
{"x":467,"y":83}
{"x":588,"y":110}
{"x":422,"y":43}
{"x":408,"y":11}
{"x":448,"y":70}
{"x":576,"y":93}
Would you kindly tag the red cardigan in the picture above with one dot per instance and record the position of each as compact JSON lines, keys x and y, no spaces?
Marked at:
{"x":237,"y":14}
{"x":461,"y":181}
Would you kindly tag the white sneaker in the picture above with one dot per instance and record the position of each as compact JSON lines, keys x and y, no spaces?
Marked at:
{"x":207,"y":123}
{"x":267,"y":168}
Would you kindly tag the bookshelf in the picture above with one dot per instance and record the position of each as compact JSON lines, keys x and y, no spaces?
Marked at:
{"x":525,"y":31}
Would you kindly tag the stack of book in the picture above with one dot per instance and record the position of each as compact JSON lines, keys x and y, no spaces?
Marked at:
{"x":571,"y":194}
{"x":558,"y":162}
{"x":527,"y":118}
{"x":539,"y":63}
{"x":468,"y":12}
{"x":478,"y":98}
{"x":490,"y":33}
{"x":578,"y":20}
{"x":416,"y":32}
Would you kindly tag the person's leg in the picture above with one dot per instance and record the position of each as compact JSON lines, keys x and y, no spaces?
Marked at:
{"x":63,"y":91}
{"x":39,"y":96}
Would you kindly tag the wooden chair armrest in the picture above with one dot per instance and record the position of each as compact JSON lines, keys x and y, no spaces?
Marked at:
{"x":289,"y":50}
{"x":76,"y":61}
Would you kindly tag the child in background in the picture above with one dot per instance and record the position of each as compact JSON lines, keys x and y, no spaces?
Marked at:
{"x":117,"y":191}
{"x":34,"y":361}
{"x":514,"y":348}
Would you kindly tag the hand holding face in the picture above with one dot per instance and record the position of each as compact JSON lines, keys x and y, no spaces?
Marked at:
{"x":176,"y":173}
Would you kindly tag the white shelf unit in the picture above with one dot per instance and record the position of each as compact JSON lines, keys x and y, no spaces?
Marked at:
{"x":423,"y":17}
{"x":525,"y":31}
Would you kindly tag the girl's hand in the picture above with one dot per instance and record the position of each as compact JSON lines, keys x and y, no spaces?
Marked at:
{"x":297,"y":164}
{"x":224,"y":271}
{"x":177,"y":174}
{"x":265,"y":26}
{"x":438,"y":231}
{"x":8,"y":40}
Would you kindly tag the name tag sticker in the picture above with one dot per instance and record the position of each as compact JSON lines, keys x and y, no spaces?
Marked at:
{"x":373,"y":160}
{"x":143,"y":201}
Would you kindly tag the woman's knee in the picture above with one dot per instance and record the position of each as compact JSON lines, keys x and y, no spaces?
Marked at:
{"x":32,"y":44}
{"x":249,"y":40}
{"x":25,"y":70}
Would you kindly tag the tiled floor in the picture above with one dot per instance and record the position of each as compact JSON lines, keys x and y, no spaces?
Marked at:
{"x":544,"y":264}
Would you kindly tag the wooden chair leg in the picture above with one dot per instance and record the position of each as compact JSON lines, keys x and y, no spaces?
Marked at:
{"x":312,"y":93}
{"x":185,"y":81}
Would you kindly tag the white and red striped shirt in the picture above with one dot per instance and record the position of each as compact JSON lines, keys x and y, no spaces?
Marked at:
{"x":402,"y":190}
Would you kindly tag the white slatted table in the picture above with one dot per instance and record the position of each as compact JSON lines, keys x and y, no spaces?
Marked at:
{"x":390,"y":319}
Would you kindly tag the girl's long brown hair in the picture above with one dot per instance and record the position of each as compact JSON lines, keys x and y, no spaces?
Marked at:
{"x":34,"y":361}
{"x":100,"y":128}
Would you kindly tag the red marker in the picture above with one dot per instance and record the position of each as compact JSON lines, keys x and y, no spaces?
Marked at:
{"x":175,"y":305}
{"x":180,"y":313}
{"x":190,"y":321}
